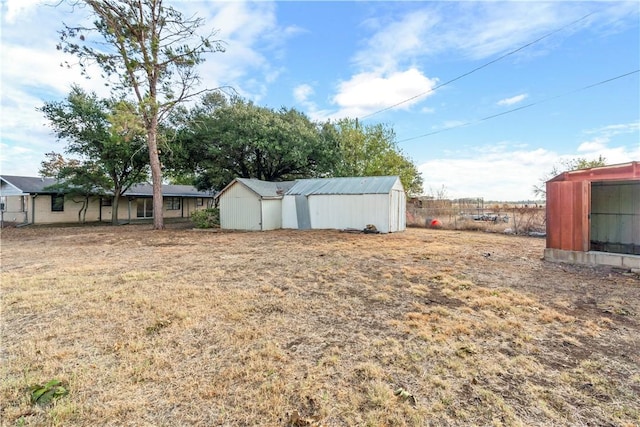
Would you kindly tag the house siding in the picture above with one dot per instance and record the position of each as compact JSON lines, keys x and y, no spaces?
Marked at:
{"x":36,"y":207}
{"x":44,"y":214}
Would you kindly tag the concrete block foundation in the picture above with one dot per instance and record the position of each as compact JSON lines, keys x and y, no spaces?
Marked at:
{"x":593,"y":258}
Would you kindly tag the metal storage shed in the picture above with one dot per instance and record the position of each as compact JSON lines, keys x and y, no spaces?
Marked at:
{"x":593,"y":216}
{"x":252,"y":204}
{"x":342,"y":203}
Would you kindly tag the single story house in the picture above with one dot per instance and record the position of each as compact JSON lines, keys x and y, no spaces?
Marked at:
{"x":27,"y":200}
{"x":346,"y":203}
{"x":593,"y":216}
{"x":252,"y":204}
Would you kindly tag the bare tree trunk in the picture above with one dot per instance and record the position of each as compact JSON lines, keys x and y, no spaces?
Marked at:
{"x":156,"y":176}
{"x":114,"y":206}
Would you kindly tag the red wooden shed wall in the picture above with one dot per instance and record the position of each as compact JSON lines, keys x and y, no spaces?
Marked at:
{"x":568,"y":215}
{"x":569,"y":200}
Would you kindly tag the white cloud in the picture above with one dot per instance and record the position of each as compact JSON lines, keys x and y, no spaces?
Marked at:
{"x":397,"y":41}
{"x":13,"y":9}
{"x":471,"y":29}
{"x":365,"y":93}
{"x":513,"y":99}
{"x":625,"y":136}
{"x":597,"y":144}
{"x":612,"y":130}
{"x":302,"y":92}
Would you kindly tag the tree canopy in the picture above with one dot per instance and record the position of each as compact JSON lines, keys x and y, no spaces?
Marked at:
{"x":224,"y":139}
{"x":372,"y":150}
{"x":221,"y":139}
{"x":108,"y":139}
{"x":153,"y":51}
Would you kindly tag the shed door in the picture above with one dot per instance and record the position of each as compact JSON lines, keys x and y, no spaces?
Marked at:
{"x":615,"y":217}
{"x":568,"y":215}
{"x":302,"y":211}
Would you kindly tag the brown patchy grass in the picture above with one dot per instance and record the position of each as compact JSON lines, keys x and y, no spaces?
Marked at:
{"x":289,"y":328}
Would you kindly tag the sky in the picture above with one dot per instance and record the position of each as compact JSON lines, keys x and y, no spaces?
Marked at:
{"x":485,"y":97}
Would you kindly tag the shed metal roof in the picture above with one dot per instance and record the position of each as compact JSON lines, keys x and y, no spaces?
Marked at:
{"x":265,"y":189}
{"x":622,"y":171}
{"x":346,"y":185}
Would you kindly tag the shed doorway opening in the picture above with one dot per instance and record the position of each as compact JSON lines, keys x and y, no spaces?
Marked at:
{"x":615,"y":217}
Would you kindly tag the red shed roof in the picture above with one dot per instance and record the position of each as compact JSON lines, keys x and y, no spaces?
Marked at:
{"x":620,"y":172}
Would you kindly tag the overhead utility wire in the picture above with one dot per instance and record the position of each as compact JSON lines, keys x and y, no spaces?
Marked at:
{"x":521,"y":107}
{"x":477,"y":68}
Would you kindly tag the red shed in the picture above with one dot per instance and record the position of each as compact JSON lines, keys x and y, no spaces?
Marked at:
{"x":593,"y":216}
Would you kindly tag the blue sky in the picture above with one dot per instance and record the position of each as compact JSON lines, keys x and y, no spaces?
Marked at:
{"x":356,"y":59}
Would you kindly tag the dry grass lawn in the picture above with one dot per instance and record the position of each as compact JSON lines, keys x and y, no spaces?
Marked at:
{"x":315,"y":328}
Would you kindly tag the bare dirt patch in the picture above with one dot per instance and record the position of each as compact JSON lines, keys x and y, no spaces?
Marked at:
{"x":291,"y":328}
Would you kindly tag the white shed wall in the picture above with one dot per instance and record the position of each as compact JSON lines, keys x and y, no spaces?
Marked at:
{"x":289,"y":213}
{"x":240,"y":209}
{"x":349,"y":211}
{"x":397,"y":211}
{"x":271,"y":214}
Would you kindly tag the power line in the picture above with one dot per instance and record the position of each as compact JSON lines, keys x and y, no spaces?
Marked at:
{"x":477,"y":68}
{"x":522,"y":107}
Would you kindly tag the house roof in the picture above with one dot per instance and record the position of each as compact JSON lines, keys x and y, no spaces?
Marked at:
{"x":28,"y":184}
{"x":167,"y":190}
{"x":37,"y":185}
{"x":347,"y":185}
{"x":264,"y":189}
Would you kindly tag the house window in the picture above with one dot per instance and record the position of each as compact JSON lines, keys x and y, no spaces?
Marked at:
{"x":57,"y":203}
{"x":107,"y":201}
{"x":199,"y":201}
{"x":173,"y":203}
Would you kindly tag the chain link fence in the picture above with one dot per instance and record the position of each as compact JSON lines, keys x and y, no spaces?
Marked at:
{"x":476,"y":214}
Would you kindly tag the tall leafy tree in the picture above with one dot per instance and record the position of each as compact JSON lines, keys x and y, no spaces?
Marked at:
{"x":221,"y":140}
{"x":153,"y":51}
{"x":108,"y":138}
{"x":372,"y":150}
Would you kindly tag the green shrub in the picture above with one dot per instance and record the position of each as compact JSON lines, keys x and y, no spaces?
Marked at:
{"x":206,"y":218}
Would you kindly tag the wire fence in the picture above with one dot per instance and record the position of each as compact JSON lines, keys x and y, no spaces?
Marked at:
{"x":475,"y":214}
